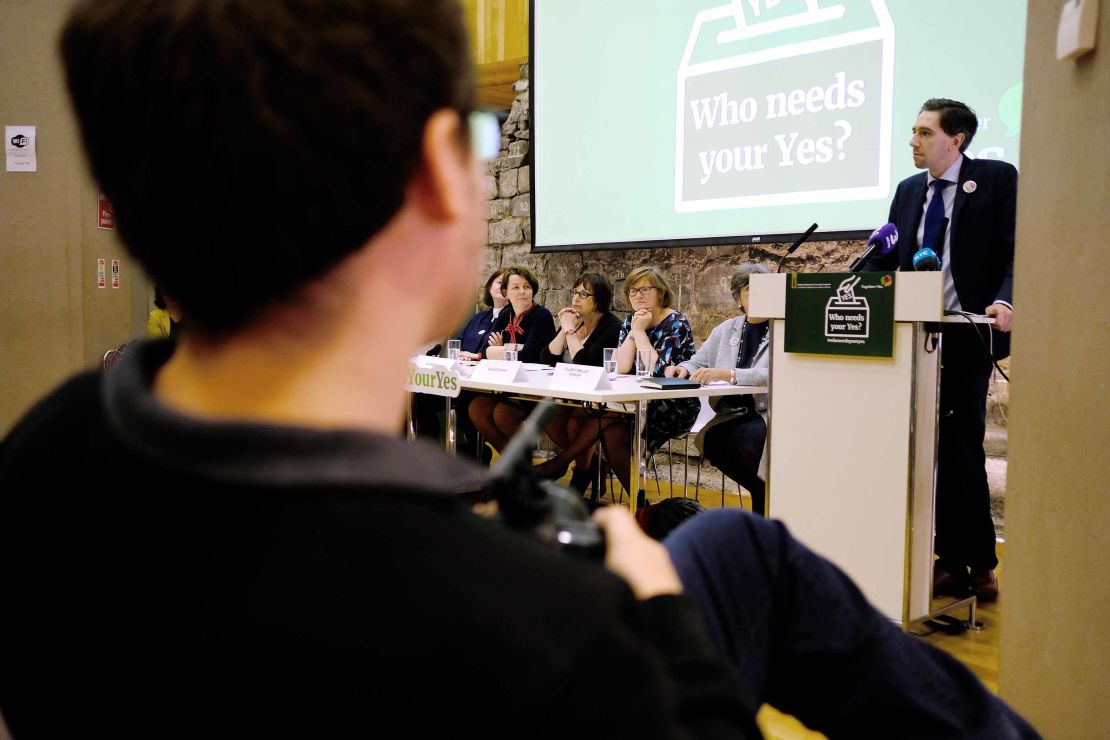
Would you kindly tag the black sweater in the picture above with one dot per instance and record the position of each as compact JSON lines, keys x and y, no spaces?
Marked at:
{"x":165,"y":576}
{"x":539,"y":330}
{"x":605,"y":334}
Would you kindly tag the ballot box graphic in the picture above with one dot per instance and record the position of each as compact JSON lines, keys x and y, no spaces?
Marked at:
{"x":782,"y":103}
{"x":847,"y":316}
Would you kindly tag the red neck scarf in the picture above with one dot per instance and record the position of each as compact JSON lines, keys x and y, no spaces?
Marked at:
{"x":514,"y":328}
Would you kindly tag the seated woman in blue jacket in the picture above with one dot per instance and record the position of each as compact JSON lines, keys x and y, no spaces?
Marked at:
{"x":475,"y":335}
{"x":736,"y":352}
{"x":473,"y":340}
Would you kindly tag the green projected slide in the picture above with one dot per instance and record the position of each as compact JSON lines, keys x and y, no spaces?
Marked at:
{"x":704,"y":121}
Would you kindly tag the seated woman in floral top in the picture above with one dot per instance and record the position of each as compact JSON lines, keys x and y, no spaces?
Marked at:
{"x":666,"y":335}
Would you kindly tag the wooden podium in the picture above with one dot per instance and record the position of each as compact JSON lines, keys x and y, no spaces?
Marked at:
{"x":852,"y":445}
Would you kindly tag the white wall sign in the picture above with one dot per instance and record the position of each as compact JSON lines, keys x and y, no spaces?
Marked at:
{"x":19,"y":149}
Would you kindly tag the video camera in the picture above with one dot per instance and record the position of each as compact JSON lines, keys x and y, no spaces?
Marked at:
{"x":553,"y":514}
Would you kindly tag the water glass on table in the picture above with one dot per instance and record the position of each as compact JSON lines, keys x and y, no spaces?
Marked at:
{"x":643,"y":363}
{"x":512,"y":354}
{"x":609,"y":360}
{"x":454,"y":346}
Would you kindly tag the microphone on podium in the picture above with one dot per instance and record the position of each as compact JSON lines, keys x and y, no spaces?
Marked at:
{"x":882,"y":240}
{"x":925,"y":260}
{"x":797,"y":243}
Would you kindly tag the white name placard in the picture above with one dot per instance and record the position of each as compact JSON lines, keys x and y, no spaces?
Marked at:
{"x":499,"y":371}
{"x":433,"y":380}
{"x":570,"y":377}
{"x":431,"y":361}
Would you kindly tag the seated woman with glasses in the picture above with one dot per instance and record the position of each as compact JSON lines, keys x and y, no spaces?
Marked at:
{"x":736,"y":352}
{"x":587,"y":327}
{"x":525,"y":327}
{"x":664,"y":335}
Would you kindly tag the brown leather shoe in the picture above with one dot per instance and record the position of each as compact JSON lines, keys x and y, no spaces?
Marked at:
{"x":946,"y":583}
{"x":984,"y":584}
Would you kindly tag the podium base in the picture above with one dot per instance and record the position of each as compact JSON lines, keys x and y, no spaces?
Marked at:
{"x":971,"y":624}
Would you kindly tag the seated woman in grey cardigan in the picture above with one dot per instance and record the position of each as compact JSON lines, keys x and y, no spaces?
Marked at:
{"x":736,"y":352}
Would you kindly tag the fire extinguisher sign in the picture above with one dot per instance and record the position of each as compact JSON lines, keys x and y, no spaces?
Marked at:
{"x":105,"y":216}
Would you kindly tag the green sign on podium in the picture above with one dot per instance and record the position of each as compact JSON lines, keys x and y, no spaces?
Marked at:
{"x":840,"y":313}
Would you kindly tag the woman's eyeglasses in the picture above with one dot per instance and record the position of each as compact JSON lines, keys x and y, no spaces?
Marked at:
{"x":641,"y":291}
{"x":582,"y":294}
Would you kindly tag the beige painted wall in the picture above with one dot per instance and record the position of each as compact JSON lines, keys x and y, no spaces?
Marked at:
{"x":53,"y":319}
{"x":1055,"y":653}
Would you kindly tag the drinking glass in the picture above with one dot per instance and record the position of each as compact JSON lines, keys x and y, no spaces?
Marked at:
{"x":609,"y":360}
{"x":511,"y":352}
{"x":453,"y":348}
{"x":643,"y":363}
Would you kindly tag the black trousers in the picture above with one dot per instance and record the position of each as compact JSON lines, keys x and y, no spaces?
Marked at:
{"x":964,"y":529}
{"x":735,"y":447}
{"x":429,"y":412}
{"x":426,"y":411}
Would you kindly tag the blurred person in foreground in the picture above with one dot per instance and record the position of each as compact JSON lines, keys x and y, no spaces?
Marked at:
{"x":226,"y":537}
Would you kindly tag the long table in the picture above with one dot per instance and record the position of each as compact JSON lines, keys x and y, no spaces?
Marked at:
{"x":625,"y":396}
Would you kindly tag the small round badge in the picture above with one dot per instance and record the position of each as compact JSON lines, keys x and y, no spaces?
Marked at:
{"x":734,"y":341}
{"x":969,"y":187}
{"x":481,"y":332}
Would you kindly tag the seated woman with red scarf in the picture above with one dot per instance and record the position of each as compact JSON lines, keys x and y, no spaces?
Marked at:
{"x":526,"y":327}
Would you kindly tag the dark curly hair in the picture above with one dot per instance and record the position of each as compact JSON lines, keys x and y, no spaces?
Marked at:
{"x":248,"y":147}
{"x":600,"y":286}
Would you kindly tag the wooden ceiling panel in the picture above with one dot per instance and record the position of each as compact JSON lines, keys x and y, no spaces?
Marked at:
{"x":495,"y":83}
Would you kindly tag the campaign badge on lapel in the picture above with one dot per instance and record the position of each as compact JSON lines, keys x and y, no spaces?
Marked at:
{"x":969,"y":187}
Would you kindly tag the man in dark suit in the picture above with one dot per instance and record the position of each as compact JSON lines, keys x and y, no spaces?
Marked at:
{"x":964,"y":210}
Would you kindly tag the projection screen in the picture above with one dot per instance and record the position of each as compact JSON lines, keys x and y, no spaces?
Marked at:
{"x":699,"y":122}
